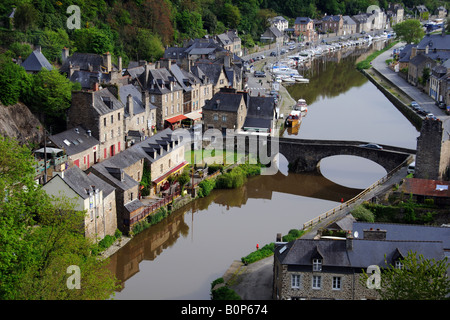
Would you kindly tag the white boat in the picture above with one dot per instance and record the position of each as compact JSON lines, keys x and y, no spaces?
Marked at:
{"x":301,"y":106}
{"x":302,"y":80}
{"x":288,"y":79}
{"x":283,"y":70}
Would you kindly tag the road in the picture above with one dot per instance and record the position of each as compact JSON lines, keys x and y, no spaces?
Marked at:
{"x":415,"y":94}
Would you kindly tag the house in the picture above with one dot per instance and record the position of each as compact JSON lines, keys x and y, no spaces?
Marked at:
{"x":195,"y":92}
{"x":405,"y":55}
{"x":434,"y":43}
{"x":333,"y":24}
{"x":441,"y":12}
{"x":82,"y":149}
{"x":279,"y":22}
{"x":90,"y":194}
{"x":139,"y":119}
{"x":438,"y":81}
{"x":304,"y":28}
{"x":394,"y":14}
{"x":90,"y":68}
{"x":165,"y":93}
{"x":273,"y":35}
{"x":36,"y":61}
{"x":102,"y":113}
{"x":416,"y":67}
{"x":215,"y":72}
{"x":363,"y":23}
{"x":422,"y":189}
{"x":260,"y":114}
{"x":331,"y":268}
{"x":349,"y":26}
{"x":231,"y":42}
{"x":162,"y":154}
{"x":226,"y":110}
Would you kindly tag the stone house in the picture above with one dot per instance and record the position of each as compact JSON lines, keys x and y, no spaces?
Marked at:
{"x":90,"y":68}
{"x":327,"y":268}
{"x":139,"y":119}
{"x":394,"y":14}
{"x":439,"y":81}
{"x":79,"y":145}
{"x":90,"y":194}
{"x":362,"y":23}
{"x":102,"y":113}
{"x":231,"y":42}
{"x":416,"y":67}
{"x":333,"y":24}
{"x":304,"y":27}
{"x":164,"y":156}
{"x":226,"y":110}
{"x":273,"y":35}
{"x":260,"y":114}
{"x":165,"y":93}
{"x":279,"y":22}
{"x":349,"y":26}
{"x":215,"y":72}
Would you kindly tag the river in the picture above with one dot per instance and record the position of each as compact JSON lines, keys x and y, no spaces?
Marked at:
{"x":180,"y":257}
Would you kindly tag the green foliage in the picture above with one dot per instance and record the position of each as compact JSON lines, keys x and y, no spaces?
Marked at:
{"x":40,"y":237}
{"x":366,"y":64}
{"x":148,"y":46}
{"x":92,"y":40}
{"x":292,"y":235}
{"x":409,"y":31}
{"x":224,"y":293}
{"x":26,"y":16}
{"x":52,"y":42}
{"x":183,"y":179}
{"x":14,"y":83}
{"x":262,"y":253}
{"x":418,"y":279}
{"x":205,"y":187}
{"x":361,"y":213}
{"x":21,"y":50}
{"x":146,"y":180}
{"x":213,"y":168}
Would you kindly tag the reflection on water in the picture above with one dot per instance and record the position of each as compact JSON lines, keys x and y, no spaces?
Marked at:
{"x":179,"y":257}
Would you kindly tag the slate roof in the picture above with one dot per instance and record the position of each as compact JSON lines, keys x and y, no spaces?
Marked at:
{"x":260,"y":112}
{"x":158,"y":81}
{"x":85,"y":61}
{"x":302,"y":20}
{"x":36,"y":61}
{"x":364,"y":253}
{"x":224,"y":101}
{"x":105,"y":102}
{"x":435,"y":41}
{"x":332,"y":18}
{"x":211,"y":70}
{"x":138,"y":105}
{"x":348,"y":20}
{"x":133,"y":205}
{"x":397,"y":231}
{"x":81,"y":183}
{"x":87,"y":78}
{"x":405,"y":54}
{"x":77,"y":138}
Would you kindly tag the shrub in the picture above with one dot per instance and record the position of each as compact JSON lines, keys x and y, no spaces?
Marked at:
{"x":292,"y":235}
{"x":224,"y":293}
{"x":262,"y":253}
{"x":361,"y":213}
{"x":213,"y":168}
{"x":205,"y":188}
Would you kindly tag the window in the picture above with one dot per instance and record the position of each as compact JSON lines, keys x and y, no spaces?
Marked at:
{"x":137,"y":120}
{"x":167,"y":111}
{"x":398,"y":265}
{"x":224,"y":118}
{"x":112,"y":133}
{"x":118,"y":132}
{"x":104,"y":122}
{"x":316,"y":282}
{"x":152,"y":99}
{"x":162,"y":167}
{"x":295,"y":281}
{"x":170,"y":163}
{"x":118,"y":116}
{"x":317,"y":264}
{"x":131,"y":196}
{"x":215,"y":117}
{"x":112,"y":118}
{"x":172,"y":109}
{"x":336,"y":283}
{"x":104,"y":138}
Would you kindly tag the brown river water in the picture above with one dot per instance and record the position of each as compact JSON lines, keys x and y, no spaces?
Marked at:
{"x":180,"y":257}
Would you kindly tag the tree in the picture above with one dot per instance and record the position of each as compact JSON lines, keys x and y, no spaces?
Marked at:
{"x":14,"y":82}
{"x":417,"y":279}
{"x":52,"y":42}
{"x":148,"y":46}
{"x":409,"y":31}
{"x":40,"y":238}
{"x":25,"y":17}
{"x":50,"y":95}
{"x":92,"y":40}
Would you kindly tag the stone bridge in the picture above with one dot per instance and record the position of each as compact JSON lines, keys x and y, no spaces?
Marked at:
{"x":304,"y":155}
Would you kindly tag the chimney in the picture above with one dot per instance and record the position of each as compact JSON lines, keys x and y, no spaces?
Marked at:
{"x":374,"y":234}
{"x":95,"y":86}
{"x":146,"y":101}
{"x":65,"y":54}
{"x":130,"y":105}
{"x":227,"y":61}
{"x":107,"y":62}
{"x":89,"y":133}
{"x":413,"y":52}
{"x":349,"y":242}
{"x":427,"y":48}
{"x":147,"y":71}
{"x":119,"y":62}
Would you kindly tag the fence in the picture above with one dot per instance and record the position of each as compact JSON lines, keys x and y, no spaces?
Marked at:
{"x":358,"y":197}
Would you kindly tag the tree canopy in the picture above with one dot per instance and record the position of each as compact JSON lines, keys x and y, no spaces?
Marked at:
{"x":40,"y":238}
{"x":410,"y":31}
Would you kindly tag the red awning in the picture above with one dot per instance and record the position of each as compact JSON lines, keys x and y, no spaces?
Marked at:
{"x":176,"y":118}
{"x":175,"y":169}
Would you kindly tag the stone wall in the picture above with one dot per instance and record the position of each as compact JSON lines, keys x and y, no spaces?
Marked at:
{"x":429,"y":146}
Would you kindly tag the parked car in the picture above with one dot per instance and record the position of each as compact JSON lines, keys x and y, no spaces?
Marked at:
{"x":414,"y":105}
{"x":371,"y":146}
{"x":259,"y":74}
{"x":273,"y":54}
{"x":421,"y":111}
{"x":431,"y":116}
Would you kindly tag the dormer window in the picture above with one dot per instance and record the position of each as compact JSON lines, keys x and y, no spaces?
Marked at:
{"x":398,"y":264}
{"x":317,"y":264}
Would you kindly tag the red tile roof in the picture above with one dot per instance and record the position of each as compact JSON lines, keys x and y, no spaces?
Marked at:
{"x":425,"y":187}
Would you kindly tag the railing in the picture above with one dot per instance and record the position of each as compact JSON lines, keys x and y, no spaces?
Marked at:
{"x":346,"y":204}
{"x":155,"y":206}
